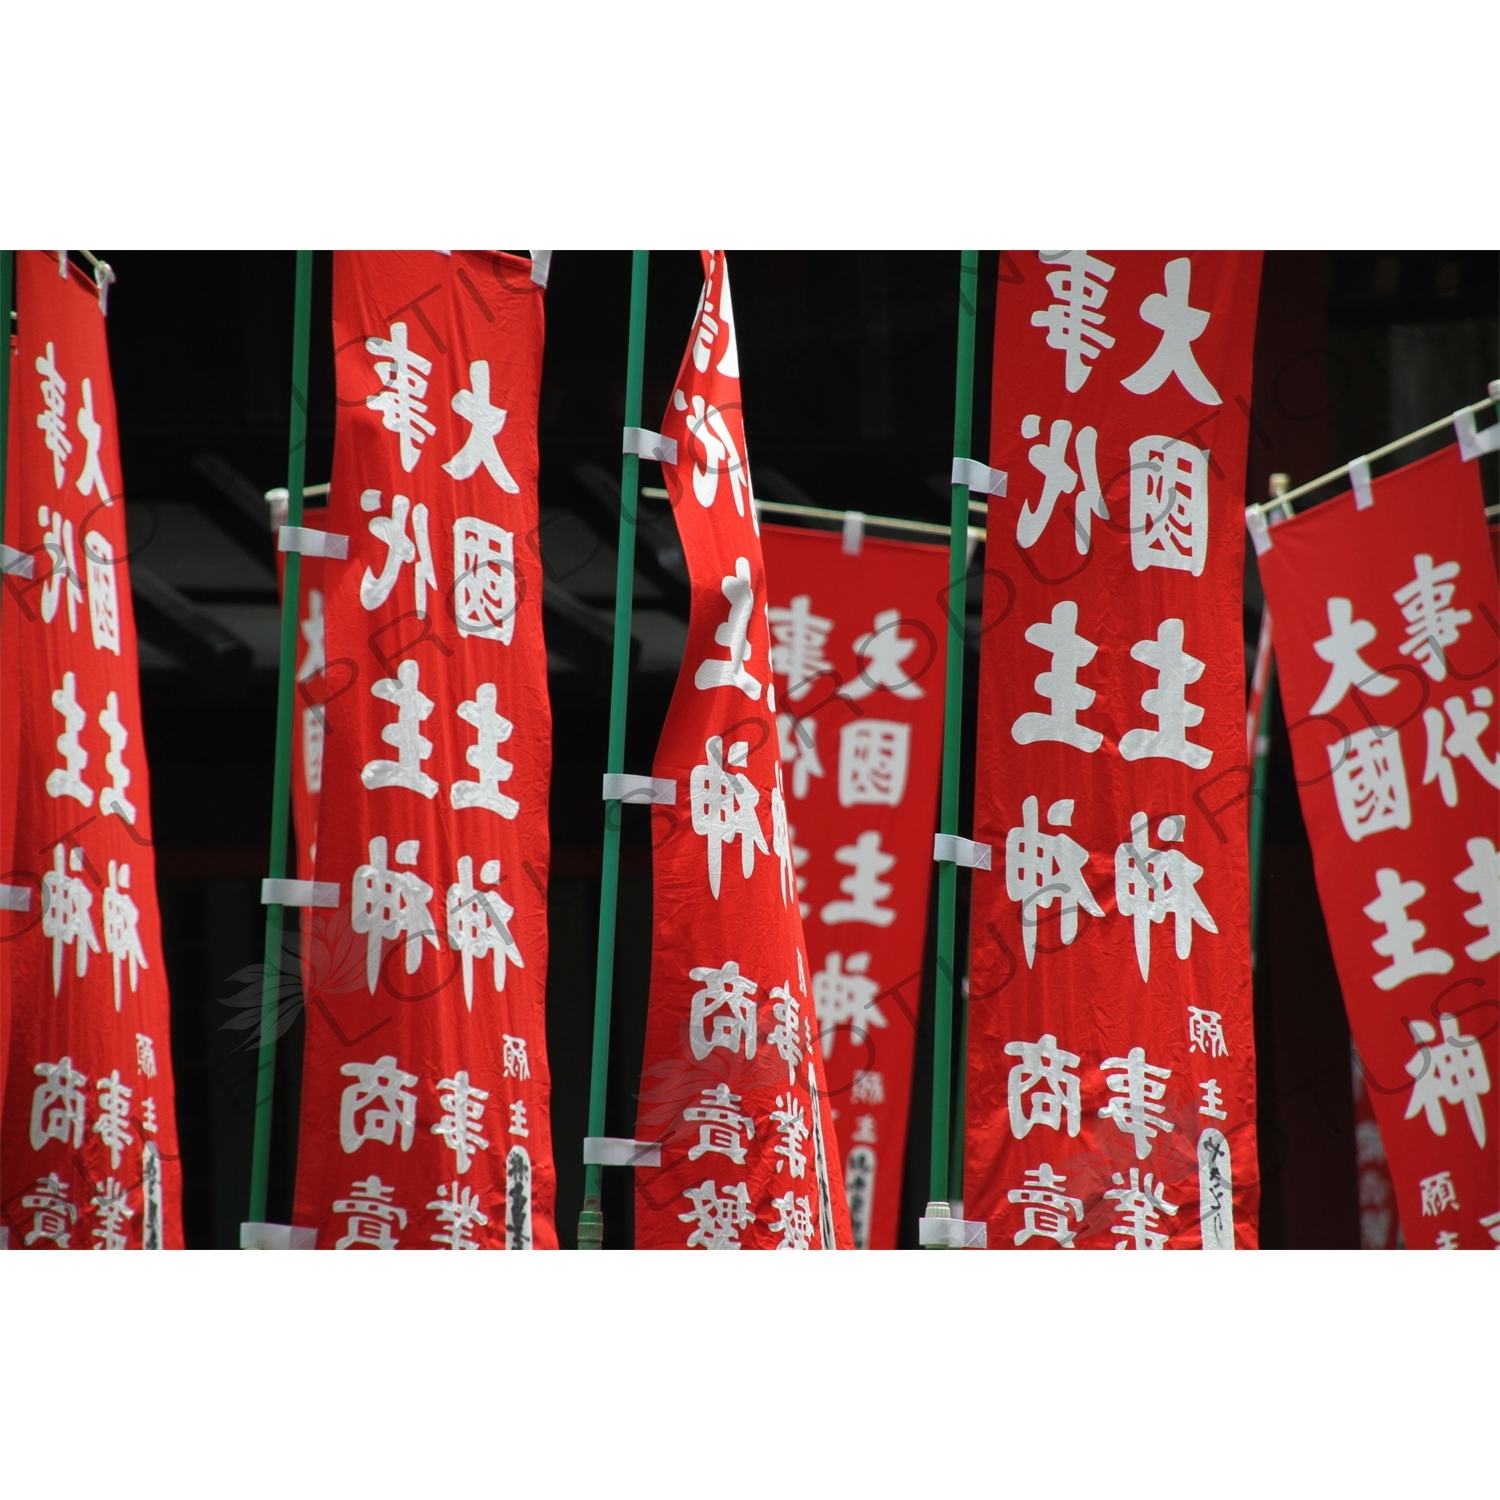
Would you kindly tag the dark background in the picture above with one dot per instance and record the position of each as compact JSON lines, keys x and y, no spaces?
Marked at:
{"x":847,"y":362}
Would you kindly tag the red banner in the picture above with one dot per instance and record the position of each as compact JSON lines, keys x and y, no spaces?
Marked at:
{"x":1111,"y":1098}
{"x":733,"y":1084}
{"x":1386,"y":639}
{"x":1378,"y":1225}
{"x":425,"y":1095}
{"x":89,"y":1139}
{"x":858,"y":645}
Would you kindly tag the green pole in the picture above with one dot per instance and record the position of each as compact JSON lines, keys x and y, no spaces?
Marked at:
{"x":7,"y":275}
{"x":591,"y":1220}
{"x":281,"y":788}
{"x":953,"y":706}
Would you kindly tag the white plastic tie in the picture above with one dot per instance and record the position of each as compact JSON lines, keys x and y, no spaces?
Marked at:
{"x":541,"y":267}
{"x":1472,"y":442}
{"x":104,"y":278}
{"x":22,"y":564}
{"x":616,"y":1151}
{"x":299,"y":893}
{"x":1359,"y":482}
{"x":15,"y":898}
{"x":948,"y":848}
{"x":1259,"y":529}
{"x":953,"y":1234}
{"x":647,"y":444}
{"x":312,"y":543}
{"x":277,"y":1237}
{"x":659,"y":790}
{"x":978,"y":477}
{"x":854,"y":533}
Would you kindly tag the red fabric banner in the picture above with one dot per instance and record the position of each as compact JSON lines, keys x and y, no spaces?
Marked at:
{"x":1379,"y":1228}
{"x":312,"y":687}
{"x":1386,"y":640}
{"x":733,"y":1081}
{"x":858,"y":645}
{"x":1111,"y":1097}
{"x":89,"y":1136}
{"x":425,"y":1095}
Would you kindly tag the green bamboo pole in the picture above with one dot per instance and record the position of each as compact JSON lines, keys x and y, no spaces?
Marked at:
{"x":591,"y":1219}
{"x":953,"y":704}
{"x":281,"y":790}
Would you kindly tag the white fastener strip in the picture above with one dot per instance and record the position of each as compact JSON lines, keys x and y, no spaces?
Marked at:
{"x":615,"y":1151}
{"x":541,"y":267}
{"x":277,"y":1237}
{"x":953,"y":1234}
{"x":656,"y":789}
{"x":978,"y":477}
{"x":950,"y":849}
{"x":648,"y":444}
{"x":299,"y":893}
{"x":854,"y":533}
{"x":312,"y":543}
{"x":1472,"y":442}
{"x":15,"y":898}
{"x":1359,"y":482}
{"x":23,"y":564}
{"x":1260,"y":532}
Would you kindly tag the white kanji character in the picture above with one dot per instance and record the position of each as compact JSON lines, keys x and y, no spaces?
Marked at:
{"x":865,"y":1132}
{"x":868,"y":1087}
{"x":1369,"y":782}
{"x":111,"y":1205}
{"x":724,"y":803}
{"x":720,"y":453}
{"x":793,"y":1222}
{"x":843,"y":991}
{"x":1138,"y":1087}
{"x":1041,"y":868}
{"x":1074,"y":323}
{"x":727,"y":1002}
{"x":371,"y":1215}
{"x":1139,"y":1204}
{"x":484,"y":755}
{"x":1206,"y":1032}
{"x":1180,"y":323}
{"x":64,"y":579}
{"x":717,"y":1218}
{"x":54,"y":1215}
{"x":1437,"y":1194}
{"x":484,"y":579}
{"x":113,"y":1124}
{"x":1151,"y":883}
{"x":458,"y":1212}
{"x":485,"y":422}
{"x":91,"y":480}
{"x":1060,"y":684}
{"x":1453,"y":1073}
{"x":53,"y":419}
{"x":706,"y":327}
{"x":112,"y":799}
{"x":59,"y":1106}
{"x":1340,"y":648}
{"x":386,"y":903}
{"x":1059,"y":477}
{"x":785,"y":1035}
{"x":315,"y":635}
{"x":405,"y":736}
{"x":885,"y":651}
{"x":463,"y":1111}
{"x":1402,"y":933}
{"x":864,"y":889}
{"x":1042,"y":1061}
{"x":403,"y":375}
{"x":719,"y":1121}
{"x":1482,"y":878}
{"x":734,"y":636}
{"x":799,"y":749}
{"x":478,"y":924}
{"x":514,"y":1061}
{"x":1491,"y":1222}
{"x":104,"y":599}
{"x":66,"y":902}
{"x":1175,"y":672}
{"x":1212,"y":1100}
{"x":518,"y":1118}
{"x":122,"y":937}
{"x":375,"y":589}
{"x":873,"y":759}
{"x":148,"y":1116}
{"x":800,"y":857}
{"x":799,"y":638}
{"x":1168,"y":505}
{"x":781,"y":841}
{"x":1432,"y":624}
{"x":145,"y":1055}
{"x":790,"y":1122}
{"x":377,"y":1105}
{"x":67,"y":780}
{"x":1464,"y":741}
{"x":1447,"y":1240}
{"x":1049,"y":1213}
